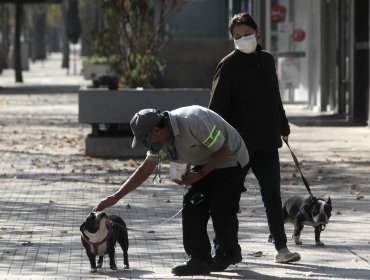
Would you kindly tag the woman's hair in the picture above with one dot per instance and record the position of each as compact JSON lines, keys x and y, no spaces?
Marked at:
{"x":242,"y":18}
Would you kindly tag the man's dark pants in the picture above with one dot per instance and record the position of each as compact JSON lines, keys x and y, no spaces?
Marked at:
{"x":217,"y":195}
{"x":266,"y":167}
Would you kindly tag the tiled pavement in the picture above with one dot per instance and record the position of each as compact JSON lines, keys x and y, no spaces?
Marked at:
{"x":48,"y":187}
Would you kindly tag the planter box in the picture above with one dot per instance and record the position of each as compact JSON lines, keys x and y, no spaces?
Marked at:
{"x":113,"y":110}
{"x":91,"y":71}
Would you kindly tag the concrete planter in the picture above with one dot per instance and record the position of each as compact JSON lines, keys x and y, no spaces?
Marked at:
{"x":91,"y":71}
{"x":110,"y":112}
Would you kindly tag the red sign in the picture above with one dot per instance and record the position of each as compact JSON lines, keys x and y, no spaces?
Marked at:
{"x":278,"y":13}
{"x":299,"y":35}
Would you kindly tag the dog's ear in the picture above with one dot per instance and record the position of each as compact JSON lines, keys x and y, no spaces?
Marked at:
{"x":82,"y":227}
{"x":329,"y":201}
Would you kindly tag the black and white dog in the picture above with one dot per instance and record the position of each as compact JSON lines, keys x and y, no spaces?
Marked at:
{"x":306,"y":211}
{"x":99,"y":234}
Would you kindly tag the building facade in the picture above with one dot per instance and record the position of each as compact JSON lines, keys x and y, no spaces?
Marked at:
{"x":321,"y":49}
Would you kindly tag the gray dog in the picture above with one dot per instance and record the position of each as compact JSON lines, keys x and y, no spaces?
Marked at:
{"x":306,"y":211}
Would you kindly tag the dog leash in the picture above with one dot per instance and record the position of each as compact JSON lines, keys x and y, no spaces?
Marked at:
{"x":322,"y":227}
{"x":148,"y":230}
{"x":299,"y":169}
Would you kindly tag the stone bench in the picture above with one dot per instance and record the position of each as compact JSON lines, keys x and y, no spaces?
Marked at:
{"x":109,"y":114}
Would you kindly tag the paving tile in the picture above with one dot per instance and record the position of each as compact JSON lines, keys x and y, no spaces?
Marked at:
{"x":48,"y":187}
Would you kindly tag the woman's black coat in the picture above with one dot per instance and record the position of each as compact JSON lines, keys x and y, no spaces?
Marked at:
{"x":245,"y":92}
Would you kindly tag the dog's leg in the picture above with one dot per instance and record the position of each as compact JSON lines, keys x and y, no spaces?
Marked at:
{"x":112,"y":261}
{"x":270,"y":239}
{"x":298,"y":226}
{"x":92,"y":260}
{"x":125,"y":260}
{"x":123,"y":242}
{"x":100,"y":262}
{"x":317,"y":236}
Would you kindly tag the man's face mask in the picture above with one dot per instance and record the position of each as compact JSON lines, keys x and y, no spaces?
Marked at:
{"x":154,"y":147}
{"x":246,"y":44}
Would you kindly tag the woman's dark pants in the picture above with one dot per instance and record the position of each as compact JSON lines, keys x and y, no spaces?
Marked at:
{"x":266,"y":167}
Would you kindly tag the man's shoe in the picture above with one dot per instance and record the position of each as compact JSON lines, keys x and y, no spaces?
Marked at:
{"x":192,"y":267}
{"x":220,"y":263}
{"x":285,"y":256}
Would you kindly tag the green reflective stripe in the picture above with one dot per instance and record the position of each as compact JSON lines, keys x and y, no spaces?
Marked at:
{"x":161,"y":153}
{"x":212,"y":138}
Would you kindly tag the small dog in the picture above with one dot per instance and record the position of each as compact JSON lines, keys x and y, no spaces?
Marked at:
{"x":306,"y":211}
{"x":99,"y":234}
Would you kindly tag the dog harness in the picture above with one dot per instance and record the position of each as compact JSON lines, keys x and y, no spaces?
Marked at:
{"x":95,"y":245}
{"x":303,"y":212}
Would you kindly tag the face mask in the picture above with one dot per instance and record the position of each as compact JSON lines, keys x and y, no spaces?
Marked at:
{"x":154,"y":147}
{"x":246,"y":44}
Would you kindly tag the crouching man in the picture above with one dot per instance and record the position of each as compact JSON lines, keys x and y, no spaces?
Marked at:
{"x":197,"y":136}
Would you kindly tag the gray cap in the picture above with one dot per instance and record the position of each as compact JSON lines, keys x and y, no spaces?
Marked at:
{"x":142,"y":124}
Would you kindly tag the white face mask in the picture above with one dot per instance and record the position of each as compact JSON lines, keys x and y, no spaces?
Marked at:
{"x":246,"y":44}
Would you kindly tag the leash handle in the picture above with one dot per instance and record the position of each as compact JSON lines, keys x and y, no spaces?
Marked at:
{"x":299,"y":169}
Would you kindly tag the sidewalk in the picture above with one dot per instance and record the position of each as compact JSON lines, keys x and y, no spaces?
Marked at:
{"x":45,"y":77}
{"x":48,"y":187}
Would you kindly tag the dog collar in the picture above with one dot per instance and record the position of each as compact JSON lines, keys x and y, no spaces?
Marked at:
{"x":95,"y":245}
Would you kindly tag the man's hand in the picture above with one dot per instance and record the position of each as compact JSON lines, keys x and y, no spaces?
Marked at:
{"x":285,"y":138}
{"x":105,"y":203}
{"x":189,"y":179}
{"x":217,"y":159}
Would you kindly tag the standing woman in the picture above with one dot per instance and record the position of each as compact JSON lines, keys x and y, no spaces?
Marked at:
{"x":245,"y":92}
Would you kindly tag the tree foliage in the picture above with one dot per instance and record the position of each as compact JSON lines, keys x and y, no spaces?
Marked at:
{"x":130,"y":36}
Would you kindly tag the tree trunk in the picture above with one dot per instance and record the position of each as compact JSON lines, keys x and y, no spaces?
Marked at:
{"x":39,"y":32}
{"x":3,"y":49}
{"x":17,"y":43}
{"x":65,"y":48}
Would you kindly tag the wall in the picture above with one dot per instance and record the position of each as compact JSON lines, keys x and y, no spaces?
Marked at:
{"x":190,"y":63}
{"x":201,"y":19}
{"x":200,"y":39}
